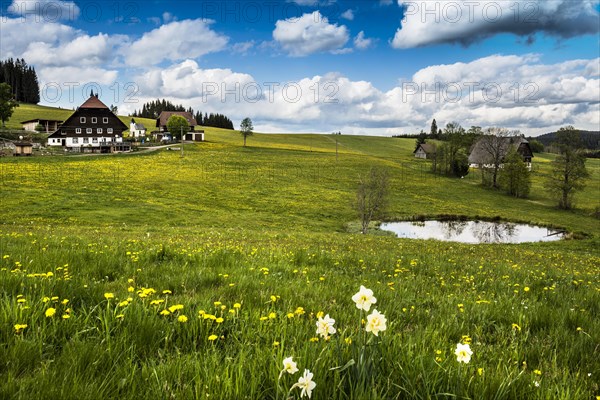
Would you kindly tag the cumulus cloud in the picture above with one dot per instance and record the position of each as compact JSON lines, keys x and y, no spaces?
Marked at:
{"x":311,"y":33}
{"x":243,"y":47}
{"x":362,"y":43}
{"x":465,"y":22}
{"x":517,"y":92}
{"x":47,"y":10}
{"x":175,"y":41}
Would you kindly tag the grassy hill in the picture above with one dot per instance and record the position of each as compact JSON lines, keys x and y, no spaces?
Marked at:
{"x":160,"y":276}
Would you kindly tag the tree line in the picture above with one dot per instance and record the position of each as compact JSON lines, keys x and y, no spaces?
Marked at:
{"x":153,"y":109}
{"x":22,"y":79}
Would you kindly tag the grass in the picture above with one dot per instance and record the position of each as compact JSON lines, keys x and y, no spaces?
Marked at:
{"x":266,"y":227}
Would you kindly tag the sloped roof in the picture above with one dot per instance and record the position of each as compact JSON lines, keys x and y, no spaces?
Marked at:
{"x":165,"y":115}
{"x":93,"y":102}
{"x":479,"y":155}
{"x":428,"y":148}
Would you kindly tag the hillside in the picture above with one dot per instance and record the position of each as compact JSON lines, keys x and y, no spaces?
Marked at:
{"x":589,"y":139}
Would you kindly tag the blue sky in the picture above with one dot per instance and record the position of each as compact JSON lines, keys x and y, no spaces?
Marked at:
{"x":377,"y":67}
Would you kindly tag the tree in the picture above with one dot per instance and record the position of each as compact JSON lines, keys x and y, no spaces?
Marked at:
{"x":491,"y":150}
{"x":420,"y":139}
{"x":371,"y":196}
{"x":434,"y":130}
{"x":568,"y":169}
{"x":246,"y":128}
{"x":536,"y":146}
{"x":178,"y":126}
{"x":515,"y":177}
{"x":7,"y":104}
{"x":451,"y":158}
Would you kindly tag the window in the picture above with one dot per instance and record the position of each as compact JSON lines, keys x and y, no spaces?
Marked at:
{"x":94,"y":120}
{"x":75,"y":140}
{"x":86,"y":140}
{"x":88,"y":131}
{"x":95,"y":140}
{"x":82,"y":120}
{"x":105,"y":120}
{"x":77,"y":130}
{"x":109,"y":130}
{"x":99,"y":130}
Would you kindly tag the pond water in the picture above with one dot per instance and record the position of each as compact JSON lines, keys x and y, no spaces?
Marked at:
{"x":472,"y":231}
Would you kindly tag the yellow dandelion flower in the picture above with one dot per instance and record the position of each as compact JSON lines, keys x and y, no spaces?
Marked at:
{"x":66,"y":316}
{"x":219,"y":320}
{"x":516,"y":327}
{"x":314,"y":339}
{"x":19,"y":327}
{"x":130,"y":289}
{"x":479,"y":371}
{"x":45,"y":299}
{"x":65,"y":301}
{"x":348,"y":340}
{"x":237,"y":306}
{"x":167,"y":291}
{"x":217,"y":303}
{"x":21,"y":301}
{"x":272,"y":315}
{"x":290,"y":315}
{"x":537,"y":372}
{"x":212,"y":338}
{"x":275,"y":344}
{"x":165,"y":312}
{"x":109,"y":296}
{"x":120,"y":316}
{"x":273,"y":298}
{"x":526,"y":288}
{"x":182,"y":319}
{"x":320,"y":314}
{"x":50,"y":312}
{"x":176,"y":307}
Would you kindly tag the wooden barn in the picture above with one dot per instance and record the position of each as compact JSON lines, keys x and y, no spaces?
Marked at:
{"x":425,"y":151}
{"x":23,"y":149}
{"x":480,"y":158}
{"x":92,"y":128}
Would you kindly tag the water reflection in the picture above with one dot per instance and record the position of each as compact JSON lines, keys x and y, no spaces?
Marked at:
{"x":473,"y":231}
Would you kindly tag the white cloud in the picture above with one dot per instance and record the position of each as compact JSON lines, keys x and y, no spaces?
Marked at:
{"x":243,"y":47}
{"x":311,"y":33}
{"x":348,"y":14}
{"x":362,"y":43}
{"x":76,"y":75}
{"x":175,"y":41}
{"x":46,"y":10}
{"x":17,"y":34}
{"x":465,"y":22}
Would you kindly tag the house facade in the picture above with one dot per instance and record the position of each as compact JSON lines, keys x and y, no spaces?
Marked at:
{"x":136,"y":130}
{"x":92,"y":128}
{"x":49,"y":125}
{"x":425,"y":151}
{"x":480,"y":158}
{"x":163,"y":118}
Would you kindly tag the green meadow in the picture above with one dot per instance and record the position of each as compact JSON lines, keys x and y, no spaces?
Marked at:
{"x":151,"y":275}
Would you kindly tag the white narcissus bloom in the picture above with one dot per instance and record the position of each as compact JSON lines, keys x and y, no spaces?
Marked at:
{"x":376,"y":323}
{"x":325,"y":326}
{"x":463,"y":353}
{"x":289,"y":366}
{"x":364,"y":299}
{"x":305,"y":383}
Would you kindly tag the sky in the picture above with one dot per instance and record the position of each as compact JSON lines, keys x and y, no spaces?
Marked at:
{"x":372,"y":67}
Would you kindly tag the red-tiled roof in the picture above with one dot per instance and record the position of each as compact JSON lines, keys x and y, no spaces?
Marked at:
{"x":93,"y":102}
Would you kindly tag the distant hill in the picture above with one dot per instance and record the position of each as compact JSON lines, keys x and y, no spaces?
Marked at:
{"x":590,"y":139}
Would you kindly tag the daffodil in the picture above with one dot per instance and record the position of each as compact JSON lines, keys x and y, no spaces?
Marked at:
{"x":289,"y":366}
{"x":364,"y":299}
{"x":325,"y":326}
{"x":305,"y":383}
{"x":463,"y":353}
{"x":376,"y":322}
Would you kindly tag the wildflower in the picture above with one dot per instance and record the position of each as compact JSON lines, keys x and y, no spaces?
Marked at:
{"x":289,"y":366}
{"x":273,"y":298}
{"x":314,"y":339}
{"x":19,"y":327}
{"x":109,"y":296}
{"x":264,"y":318}
{"x":50,"y":312}
{"x":166,"y":292}
{"x":376,"y":323}
{"x":212,"y":338}
{"x":299,"y":311}
{"x":165,"y":312}
{"x":120,"y":316}
{"x":272,"y":315}
{"x":276,"y":344}
{"x":217,"y":303}
{"x":305,"y":383}
{"x":130,"y":289}
{"x":290,"y":315}
{"x":66,"y":316}
{"x":182,"y":318}
{"x":219,"y":320}
{"x":463,"y":353}
{"x":516,"y":327}
{"x":124,"y":303}
{"x":479,"y":371}
{"x":320,"y":314}
{"x":325,"y":326}
{"x":156,"y":302}
{"x":176,"y":307}
{"x":65,"y":301}
{"x":526,"y":288}
{"x":45,"y":299}
{"x":348,"y":341}
{"x":237,"y":306}
{"x":364,"y":298}
{"x":537,"y":372}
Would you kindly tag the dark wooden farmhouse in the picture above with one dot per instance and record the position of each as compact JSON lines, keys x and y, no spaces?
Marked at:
{"x":92,"y":128}
{"x":193,"y":134}
{"x":425,"y":151}
{"x":480,"y":158}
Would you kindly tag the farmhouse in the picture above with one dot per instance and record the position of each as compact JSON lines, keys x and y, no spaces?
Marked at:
{"x":136,"y":130}
{"x":193,"y":134}
{"x":92,"y":128}
{"x":425,"y":151}
{"x":49,"y":125}
{"x":479,"y":157}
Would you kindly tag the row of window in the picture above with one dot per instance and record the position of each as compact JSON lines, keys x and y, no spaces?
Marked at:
{"x":94,"y":120}
{"x":90,"y":130}
{"x":87,"y":140}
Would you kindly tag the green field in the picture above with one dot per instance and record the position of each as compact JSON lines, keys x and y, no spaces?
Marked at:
{"x":255,"y":243}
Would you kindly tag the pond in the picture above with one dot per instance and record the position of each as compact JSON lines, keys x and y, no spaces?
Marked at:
{"x":472,"y":231}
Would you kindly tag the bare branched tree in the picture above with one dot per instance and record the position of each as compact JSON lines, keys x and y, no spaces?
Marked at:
{"x":371,"y":196}
{"x":494,"y":146}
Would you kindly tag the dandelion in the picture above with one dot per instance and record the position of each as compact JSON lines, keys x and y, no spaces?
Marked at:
{"x":273,"y":298}
{"x":516,"y":327}
{"x":66,"y":316}
{"x":314,"y":339}
{"x":124,"y":303}
{"x":463,"y":353}
{"x":176,"y":307}
{"x":130,"y":289}
{"x":364,"y":299}
{"x":272,"y":315}
{"x":276,"y":344}
{"x":537,"y":372}
{"x":526,"y":288}
{"x":165,"y":312}
{"x":376,"y":322}
{"x":212,"y":338}
{"x":19,"y":327}
{"x":289,"y":366}
{"x":109,"y":296}
{"x":348,"y":341}
{"x":237,"y":306}
{"x":479,"y":371}
{"x":182,"y":318}
{"x":219,"y":320}
{"x":65,"y":301}
{"x":305,"y":383}
{"x":325,"y":326}
{"x":50,"y":312}
{"x":120,"y":316}
{"x":167,"y":291}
